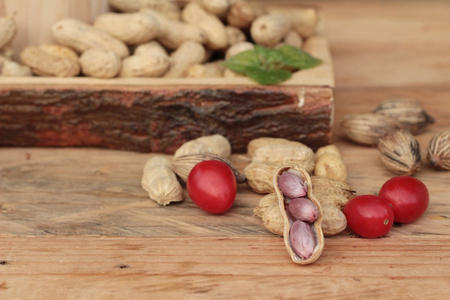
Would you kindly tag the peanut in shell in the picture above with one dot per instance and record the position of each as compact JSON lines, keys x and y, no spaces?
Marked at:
{"x":260,"y":176}
{"x":265,"y":141}
{"x":332,"y":192}
{"x":367,"y":129}
{"x":273,"y":220}
{"x":400,"y":152}
{"x":334,"y":220}
{"x":8,"y":30}
{"x":288,"y":154}
{"x":438,"y":151}
{"x":265,"y":202}
{"x":408,"y":112}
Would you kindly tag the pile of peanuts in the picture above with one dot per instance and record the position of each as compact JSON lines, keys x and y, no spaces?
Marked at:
{"x":159,"y":38}
{"x":328,"y":176}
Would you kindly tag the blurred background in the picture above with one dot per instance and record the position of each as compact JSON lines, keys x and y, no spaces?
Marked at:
{"x":407,"y":41}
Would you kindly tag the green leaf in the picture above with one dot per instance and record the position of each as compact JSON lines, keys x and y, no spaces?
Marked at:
{"x":297,"y":58}
{"x":269,"y":57}
{"x":271,"y":66}
{"x":240,"y":62}
{"x":265,"y":77}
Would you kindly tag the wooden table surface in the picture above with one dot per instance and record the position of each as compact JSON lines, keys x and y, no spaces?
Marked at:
{"x":76,"y":224}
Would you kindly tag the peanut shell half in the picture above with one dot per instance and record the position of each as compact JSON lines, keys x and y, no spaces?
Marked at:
{"x":316,"y":226}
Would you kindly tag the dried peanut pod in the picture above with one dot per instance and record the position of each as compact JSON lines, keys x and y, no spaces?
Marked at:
{"x":213,"y":144}
{"x":238,"y":48}
{"x":216,"y":7}
{"x":189,"y":53}
{"x":168,"y":8}
{"x":293,"y":39}
{"x":182,"y":165}
{"x":234,"y":35}
{"x":333,"y":149}
{"x":259,"y":176}
{"x":44,"y":64}
{"x":269,"y":211}
{"x":81,"y":36}
{"x":59,"y":51}
{"x":160,"y":181}
{"x":264,"y":141}
{"x":332,"y":192}
{"x":152,"y":48}
{"x":207,"y":70}
{"x":400,"y":152}
{"x":149,"y":60}
{"x":173,"y":33}
{"x":289,"y":154}
{"x":330,"y":165}
{"x":333,"y":221}
{"x":305,"y":21}
{"x":304,"y":242}
{"x":269,"y":30}
{"x":100,"y":63}
{"x":408,"y":112}
{"x":194,"y":14}
{"x":9,"y":68}
{"x":367,"y":129}
{"x":266,"y":202}
{"x":241,"y":13}
{"x":144,"y":65}
{"x":438,"y":151}
{"x":8,"y":29}
{"x":130,"y":28}
{"x":273,"y":219}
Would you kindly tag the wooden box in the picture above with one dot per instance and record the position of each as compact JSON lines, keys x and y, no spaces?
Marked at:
{"x":158,"y":115}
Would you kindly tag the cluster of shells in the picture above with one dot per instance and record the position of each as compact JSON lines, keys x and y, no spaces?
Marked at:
{"x":321,"y":175}
{"x":162,"y":175}
{"x":157,"y":38}
{"x":324,"y":176}
{"x":392,"y":127}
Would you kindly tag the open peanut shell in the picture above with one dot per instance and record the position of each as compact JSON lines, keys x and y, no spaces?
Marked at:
{"x":315,"y":226}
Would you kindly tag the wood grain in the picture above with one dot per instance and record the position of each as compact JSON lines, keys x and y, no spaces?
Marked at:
{"x":75,"y":224}
{"x":223,"y":268}
{"x":162,"y":117}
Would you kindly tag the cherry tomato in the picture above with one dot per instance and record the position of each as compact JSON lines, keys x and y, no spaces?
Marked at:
{"x":212,"y":186}
{"x":408,"y":196}
{"x":369,"y":216}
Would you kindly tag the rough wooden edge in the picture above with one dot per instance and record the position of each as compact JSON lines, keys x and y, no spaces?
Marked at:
{"x":161,"y":119}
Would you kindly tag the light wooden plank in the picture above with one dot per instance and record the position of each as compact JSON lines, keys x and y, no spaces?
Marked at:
{"x":74,"y":267}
